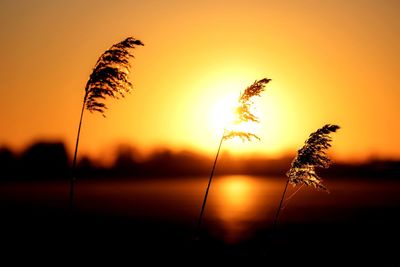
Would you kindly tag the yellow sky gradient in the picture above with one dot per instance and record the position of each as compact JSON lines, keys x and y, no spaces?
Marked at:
{"x":329,"y":61}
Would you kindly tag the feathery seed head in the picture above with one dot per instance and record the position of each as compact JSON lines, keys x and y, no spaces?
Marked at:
{"x":243,"y":111}
{"x":242,"y":135}
{"x":253,"y":90}
{"x":110,"y":75}
{"x":312,"y":155}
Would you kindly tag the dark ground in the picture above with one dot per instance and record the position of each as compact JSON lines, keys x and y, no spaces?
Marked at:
{"x":36,"y":227}
{"x":37,"y":235}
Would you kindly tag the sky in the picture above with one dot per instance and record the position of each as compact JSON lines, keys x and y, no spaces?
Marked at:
{"x":330,"y":62}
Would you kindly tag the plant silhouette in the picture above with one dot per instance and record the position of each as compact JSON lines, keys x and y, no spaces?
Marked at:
{"x":243,"y":114}
{"x":312,"y":155}
{"x":110,"y":78}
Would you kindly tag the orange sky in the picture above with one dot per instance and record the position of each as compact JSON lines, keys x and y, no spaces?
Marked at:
{"x":330,"y":62}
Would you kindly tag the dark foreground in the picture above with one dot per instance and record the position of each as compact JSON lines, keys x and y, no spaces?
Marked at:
{"x":38,"y":236}
{"x":366,"y":235}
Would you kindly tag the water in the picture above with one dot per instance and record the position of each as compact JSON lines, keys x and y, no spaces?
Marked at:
{"x":238,"y":206}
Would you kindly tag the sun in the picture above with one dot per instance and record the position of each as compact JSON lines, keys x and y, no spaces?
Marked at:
{"x":224,"y":117}
{"x":223,"y":112}
{"x":215,"y":110}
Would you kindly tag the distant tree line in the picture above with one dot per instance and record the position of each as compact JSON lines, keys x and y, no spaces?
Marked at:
{"x":40,"y":160}
{"x":50,"y":160}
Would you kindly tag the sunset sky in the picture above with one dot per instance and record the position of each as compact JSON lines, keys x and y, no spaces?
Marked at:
{"x":330,"y":62}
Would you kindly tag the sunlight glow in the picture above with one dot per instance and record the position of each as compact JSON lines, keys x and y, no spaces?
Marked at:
{"x":223,"y":113}
{"x":236,"y":201}
{"x":196,"y":55}
{"x":223,"y":116}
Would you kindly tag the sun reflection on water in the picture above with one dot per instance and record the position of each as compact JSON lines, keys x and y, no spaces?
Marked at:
{"x":236,"y":204}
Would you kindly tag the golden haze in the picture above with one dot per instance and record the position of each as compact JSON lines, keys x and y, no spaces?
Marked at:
{"x":329,"y":61}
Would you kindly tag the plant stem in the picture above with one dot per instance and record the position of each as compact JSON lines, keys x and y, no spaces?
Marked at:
{"x":208,"y":186}
{"x":292,"y":195}
{"x":280,"y":206}
{"x":73,"y":176}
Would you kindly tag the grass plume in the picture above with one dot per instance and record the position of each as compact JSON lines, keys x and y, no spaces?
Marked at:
{"x":110,"y":75}
{"x":243,"y":114}
{"x":245,"y":136}
{"x":312,"y":155}
{"x":243,"y":111}
{"x":110,"y":78}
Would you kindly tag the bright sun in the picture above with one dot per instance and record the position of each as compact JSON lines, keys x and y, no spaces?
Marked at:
{"x":223,"y":112}
{"x":224,"y":117}
{"x":216,"y":111}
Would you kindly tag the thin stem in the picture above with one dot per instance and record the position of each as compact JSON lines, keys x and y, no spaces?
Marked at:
{"x":290,"y":197}
{"x":280,"y":205}
{"x":208,"y":186}
{"x":73,"y":176}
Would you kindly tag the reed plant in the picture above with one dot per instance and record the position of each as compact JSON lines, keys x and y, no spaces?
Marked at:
{"x":243,"y":114}
{"x":311,"y":156}
{"x":109,"y":79}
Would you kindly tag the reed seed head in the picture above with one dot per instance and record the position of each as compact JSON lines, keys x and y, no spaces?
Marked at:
{"x":110,"y":76}
{"x":242,"y":135}
{"x":312,"y":155}
{"x":243,"y":111}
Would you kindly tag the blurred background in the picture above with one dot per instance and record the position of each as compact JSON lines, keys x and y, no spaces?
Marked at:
{"x":142,"y":170}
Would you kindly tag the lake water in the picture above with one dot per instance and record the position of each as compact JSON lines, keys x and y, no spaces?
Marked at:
{"x":238,"y":205}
